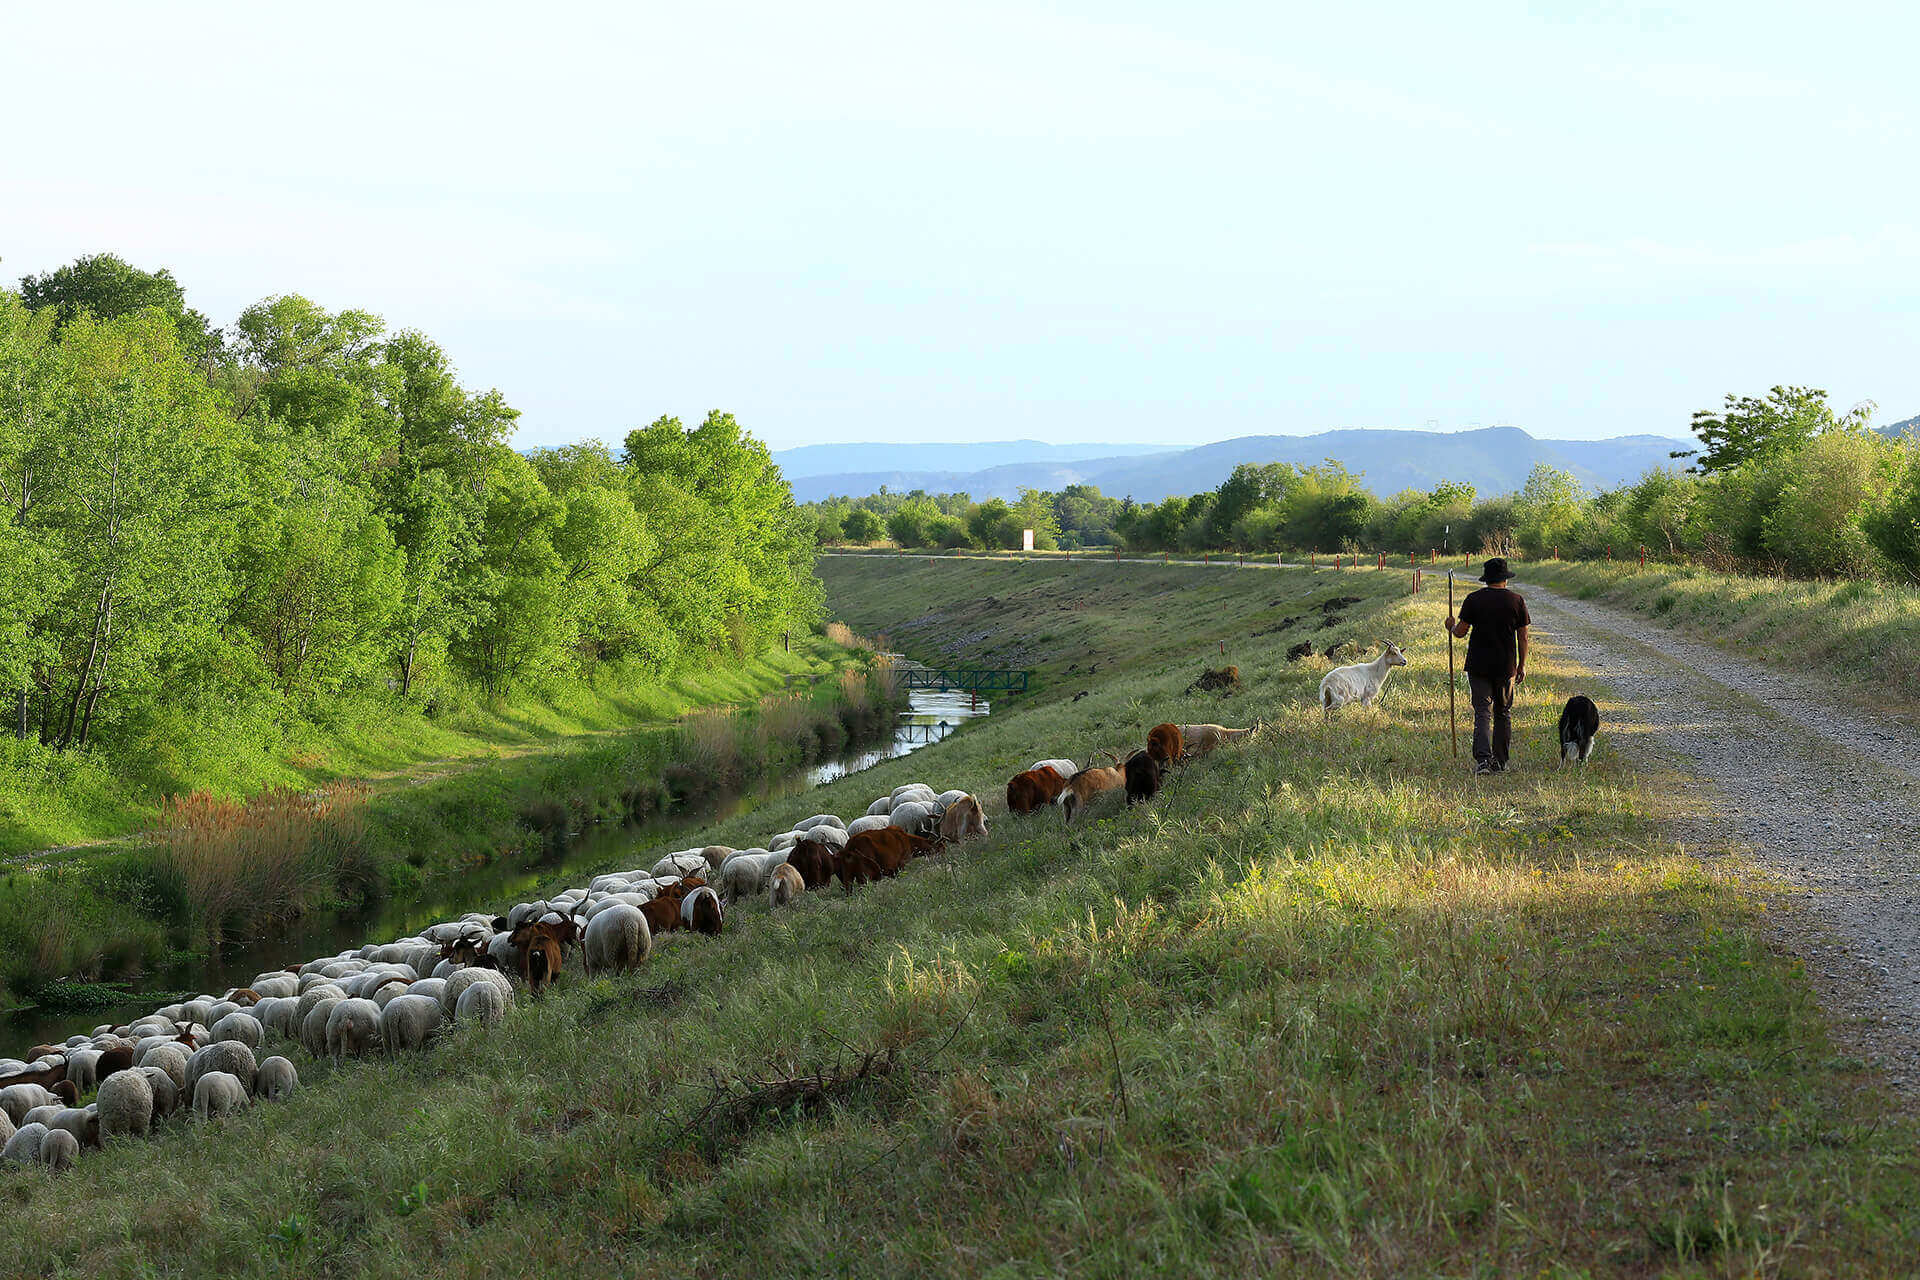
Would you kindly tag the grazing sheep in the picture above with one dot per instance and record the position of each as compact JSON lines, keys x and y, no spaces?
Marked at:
{"x":466,"y":979}
{"x":872,"y":822}
{"x":917,"y":816}
{"x":745,"y":874}
{"x":814,"y":861}
{"x":716,"y":855}
{"x":1083,"y":786}
{"x":314,"y":995}
{"x":229,"y":1056}
{"x":701,"y":912}
{"x":1166,"y":743}
{"x":168,"y":1057}
{"x":483,"y":1002}
{"x":819,"y":819}
{"x":219,"y":1093}
{"x":83,"y":1068}
{"x":784,"y":841}
{"x":1360,"y":682}
{"x":685,"y":863}
{"x":82,"y":1122}
{"x":786,"y":884}
{"x":1199,"y":739}
{"x":432,"y":988}
{"x":18,"y":1099}
{"x":881,"y":807}
{"x":24,"y":1146}
{"x":313,"y":1029}
{"x":833,"y":837}
{"x":1035,"y":789}
{"x":275,"y":1080}
{"x":1065,"y":768}
{"x":914,"y":791}
{"x":6,"y":1128}
{"x":241,"y":1027}
{"x":166,"y":1091}
{"x":277,"y":984}
{"x":353,"y":1029}
{"x":1144,"y":771}
{"x":874,"y":854}
{"x":59,"y":1150}
{"x":963,"y":820}
{"x":618,"y":938}
{"x":408,"y":1022}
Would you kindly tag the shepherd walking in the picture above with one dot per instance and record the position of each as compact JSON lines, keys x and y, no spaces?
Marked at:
{"x":1495,"y":619}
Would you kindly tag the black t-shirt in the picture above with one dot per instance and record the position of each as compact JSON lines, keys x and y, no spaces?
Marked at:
{"x":1496,"y":615}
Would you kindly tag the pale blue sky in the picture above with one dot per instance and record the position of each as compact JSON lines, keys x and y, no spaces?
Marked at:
{"x":1172,"y":222}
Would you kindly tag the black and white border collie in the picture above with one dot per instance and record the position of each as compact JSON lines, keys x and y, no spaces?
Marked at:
{"x":1579,"y":722}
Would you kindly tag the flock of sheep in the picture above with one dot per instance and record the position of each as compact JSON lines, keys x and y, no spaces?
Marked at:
{"x":202,"y":1054}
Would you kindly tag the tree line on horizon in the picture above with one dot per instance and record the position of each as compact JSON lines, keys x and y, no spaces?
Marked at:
{"x":1781,"y":483}
{"x":211,"y":535}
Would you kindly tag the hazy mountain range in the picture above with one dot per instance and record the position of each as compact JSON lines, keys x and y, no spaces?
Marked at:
{"x":1493,"y":459}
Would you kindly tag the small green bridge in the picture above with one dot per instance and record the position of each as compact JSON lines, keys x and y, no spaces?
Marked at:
{"x":975,"y":680}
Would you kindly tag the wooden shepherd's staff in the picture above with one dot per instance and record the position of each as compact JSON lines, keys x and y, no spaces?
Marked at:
{"x":1453,"y":724}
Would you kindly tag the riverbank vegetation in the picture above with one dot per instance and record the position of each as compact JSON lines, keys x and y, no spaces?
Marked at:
{"x":217,"y":871}
{"x":230,"y":557}
{"x":1325,"y":1006}
{"x":1781,"y":484}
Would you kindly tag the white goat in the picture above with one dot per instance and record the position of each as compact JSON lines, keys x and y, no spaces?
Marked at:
{"x":1361,"y":682}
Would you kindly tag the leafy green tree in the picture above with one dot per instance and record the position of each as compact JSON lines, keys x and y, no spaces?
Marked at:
{"x":863,"y":526}
{"x":107,"y":287}
{"x":1751,"y":429}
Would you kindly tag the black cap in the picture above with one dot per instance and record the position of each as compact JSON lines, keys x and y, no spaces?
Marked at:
{"x":1496,"y":570}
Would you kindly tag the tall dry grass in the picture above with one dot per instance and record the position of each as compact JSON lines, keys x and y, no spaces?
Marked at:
{"x":235,"y":866}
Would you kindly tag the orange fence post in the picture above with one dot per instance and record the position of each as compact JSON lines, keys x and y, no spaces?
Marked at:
{"x":1643,"y":557}
{"x":1312,"y":554}
{"x":1609,"y":553}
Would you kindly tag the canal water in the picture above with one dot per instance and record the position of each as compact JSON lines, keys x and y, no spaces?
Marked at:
{"x":930,"y":716}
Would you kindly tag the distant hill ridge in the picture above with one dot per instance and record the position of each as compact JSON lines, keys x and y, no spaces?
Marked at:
{"x":1492,"y":459}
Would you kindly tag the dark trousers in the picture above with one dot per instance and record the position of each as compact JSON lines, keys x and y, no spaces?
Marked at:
{"x":1492,"y":718}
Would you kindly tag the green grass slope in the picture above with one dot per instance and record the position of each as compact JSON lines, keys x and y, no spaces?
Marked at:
{"x":1857,"y":638}
{"x":1327,"y":1007}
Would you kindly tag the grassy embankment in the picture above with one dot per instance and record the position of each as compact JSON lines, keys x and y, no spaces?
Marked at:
{"x":234,"y":869}
{"x":1325,"y":1007}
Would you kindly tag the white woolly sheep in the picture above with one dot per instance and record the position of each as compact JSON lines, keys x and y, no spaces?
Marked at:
{"x":275,"y":1080}
{"x":83,"y":1068}
{"x":784,"y":841}
{"x":819,"y":820}
{"x":229,"y":1056}
{"x":872,"y":822}
{"x":745,"y":874}
{"x":82,"y":1122}
{"x":217,"y":1093}
{"x":24,"y":1146}
{"x":166,"y":1091}
{"x":6,"y":1128}
{"x":914,"y":791}
{"x":276,"y":984}
{"x":240,"y":1026}
{"x":313,"y":996}
{"x":353,"y":1028}
{"x":915,"y":816}
{"x":432,"y":988}
{"x":483,"y":1002}
{"x":43,"y":1115}
{"x":170,"y":1057}
{"x":1065,"y":768}
{"x":18,"y":1099}
{"x":687,"y":862}
{"x":617,"y":938}
{"x":313,"y":1028}
{"x":881,"y":807}
{"x":466,"y":979}
{"x":833,"y":837}
{"x":59,"y":1150}
{"x":408,"y":1022}
{"x":1360,"y":682}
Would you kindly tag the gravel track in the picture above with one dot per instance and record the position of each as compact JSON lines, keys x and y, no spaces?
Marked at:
{"x":1828,"y":798}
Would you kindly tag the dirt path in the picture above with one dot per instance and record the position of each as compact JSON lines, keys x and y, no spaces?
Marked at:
{"x":1829,"y":800}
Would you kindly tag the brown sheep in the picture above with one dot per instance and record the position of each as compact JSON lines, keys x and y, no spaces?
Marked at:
{"x":662,"y":913}
{"x":1202,"y":738}
{"x":1165,"y":744}
{"x":882,"y":852}
{"x":1088,"y":783}
{"x":963,"y":820}
{"x":1035,"y":789}
{"x":815,"y":860}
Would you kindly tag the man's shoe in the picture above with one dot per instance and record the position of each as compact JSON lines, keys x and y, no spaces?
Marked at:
{"x":1483,"y":768}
